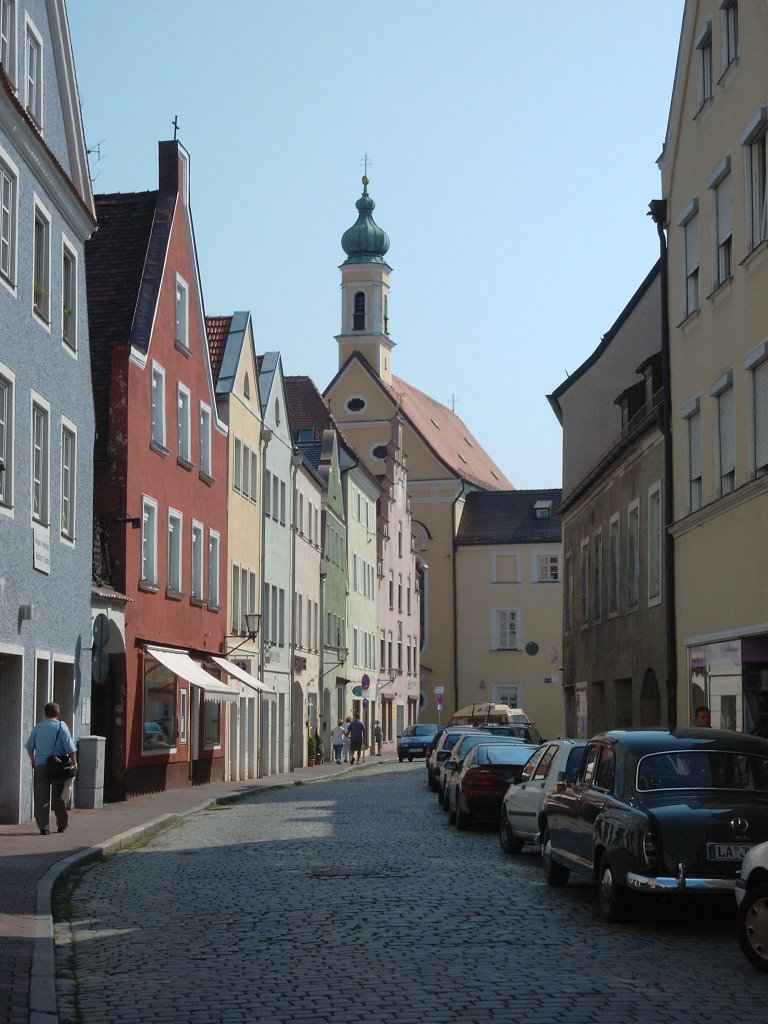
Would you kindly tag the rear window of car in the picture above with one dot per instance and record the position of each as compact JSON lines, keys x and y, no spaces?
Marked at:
{"x":702,"y":769}
{"x":507,"y":753}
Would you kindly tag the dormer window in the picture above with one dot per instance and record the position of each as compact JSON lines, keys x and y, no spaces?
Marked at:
{"x":305,"y":434}
{"x":358,"y":317}
{"x":543,"y":509}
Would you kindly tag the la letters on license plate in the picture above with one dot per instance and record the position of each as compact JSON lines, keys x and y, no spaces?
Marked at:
{"x":727,"y":851}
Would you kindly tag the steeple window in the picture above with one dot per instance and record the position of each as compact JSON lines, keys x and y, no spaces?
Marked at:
{"x":358,"y":316}
{"x":386,"y":314}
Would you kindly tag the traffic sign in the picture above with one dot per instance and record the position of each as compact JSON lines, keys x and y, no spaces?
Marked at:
{"x":439,"y":691}
{"x":439,"y":699}
{"x":366,"y":702}
{"x":365,"y":682}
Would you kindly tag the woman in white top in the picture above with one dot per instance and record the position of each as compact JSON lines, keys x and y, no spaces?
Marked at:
{"x":345,"y":754}
{"x":337,"y":741}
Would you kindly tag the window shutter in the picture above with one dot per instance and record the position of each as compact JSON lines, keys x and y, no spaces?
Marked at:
{"x":724,"y":209}
{"x":727,"y":431}
{"x":761,"y":414}
{"x":691,"y":245}
{"x":694,"y":435}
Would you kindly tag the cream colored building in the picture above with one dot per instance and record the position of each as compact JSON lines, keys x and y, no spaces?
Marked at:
{"x":445,"y":462}
{"x":713,"y":168}
{"x":306,"y":553}
{"x":509,"y":561}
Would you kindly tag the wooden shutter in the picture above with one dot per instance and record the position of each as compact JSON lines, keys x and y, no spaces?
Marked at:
{"x":761,"y":414}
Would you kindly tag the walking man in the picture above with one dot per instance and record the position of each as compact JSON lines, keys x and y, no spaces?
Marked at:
{"x":50,"y":736}
{"x":356,"y":739}
{"x":378,"y":736}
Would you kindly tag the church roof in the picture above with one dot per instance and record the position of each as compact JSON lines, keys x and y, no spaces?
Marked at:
{"x":365,"y":241}
{"x":510,"y":517}
{"x":448,"y":437}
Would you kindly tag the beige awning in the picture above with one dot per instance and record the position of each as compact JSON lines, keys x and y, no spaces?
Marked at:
{"x":182,"y":665}
{"x":242,"y":675}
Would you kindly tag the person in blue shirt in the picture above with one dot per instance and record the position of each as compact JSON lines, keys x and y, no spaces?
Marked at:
{"x":50,"y":736}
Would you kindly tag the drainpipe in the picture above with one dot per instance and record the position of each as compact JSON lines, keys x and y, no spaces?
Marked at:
{"x":295,"y":463}
{"x":658,"y":211}
{"x":265,"y":437}
{"x":459,"y":496}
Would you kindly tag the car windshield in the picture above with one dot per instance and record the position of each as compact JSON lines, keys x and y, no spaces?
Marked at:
{"x":420,"y":730}
{"x":702,"y":769}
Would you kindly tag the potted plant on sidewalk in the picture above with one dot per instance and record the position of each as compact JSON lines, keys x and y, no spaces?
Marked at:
{"x":311,"y":750}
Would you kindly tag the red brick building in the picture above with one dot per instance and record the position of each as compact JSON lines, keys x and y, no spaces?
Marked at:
{"x":159,"y":491}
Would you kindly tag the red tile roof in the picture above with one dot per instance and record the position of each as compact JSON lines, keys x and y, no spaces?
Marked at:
{"x":307,"y":411}
{"x":450,"y":440}
{"x":115,"y":257}
{"x":217,"y":329}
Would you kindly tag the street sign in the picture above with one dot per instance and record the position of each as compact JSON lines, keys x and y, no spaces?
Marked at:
{"x":365,"y":682}
{"x":439,"y":699}
{"x":357,"y":691}
{"x":439,"y":691}
{"x":366,"y":702}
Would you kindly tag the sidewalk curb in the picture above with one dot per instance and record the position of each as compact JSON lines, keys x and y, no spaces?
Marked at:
{"x":43,"y":1004}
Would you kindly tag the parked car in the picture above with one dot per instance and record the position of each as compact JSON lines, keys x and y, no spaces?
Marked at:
{"x":528,"y":733}
{"x":415,"y":740}
{"x":478,"y":787}
{"x":440,"y":751}
{"x":552,"y":762}
{"x":752,"y":900}
{"x":658,"y":811}
{"x":455,"y":760}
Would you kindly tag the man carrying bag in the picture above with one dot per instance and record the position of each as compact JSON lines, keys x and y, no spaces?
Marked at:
{"x":54,"y":760}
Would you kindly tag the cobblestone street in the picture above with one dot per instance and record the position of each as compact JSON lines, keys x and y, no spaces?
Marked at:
{"x":354,"y":900}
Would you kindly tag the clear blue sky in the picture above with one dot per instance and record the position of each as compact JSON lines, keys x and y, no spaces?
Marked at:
{"x":513,"y":147}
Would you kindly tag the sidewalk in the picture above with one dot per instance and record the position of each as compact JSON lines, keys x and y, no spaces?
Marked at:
{"x":30,"y":864}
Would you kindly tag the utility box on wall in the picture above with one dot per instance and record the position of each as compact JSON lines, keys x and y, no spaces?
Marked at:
{"x":90,"y":771}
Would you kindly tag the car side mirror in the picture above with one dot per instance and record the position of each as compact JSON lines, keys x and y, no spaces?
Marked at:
{"x":562,"y":782}
{"x":450,"y":763}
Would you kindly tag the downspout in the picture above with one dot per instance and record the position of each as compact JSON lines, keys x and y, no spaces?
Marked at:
{"x":459,"y":496}
{"x":265,"y":438}
{"x":295,"y":463}
{"x":658,"y":211}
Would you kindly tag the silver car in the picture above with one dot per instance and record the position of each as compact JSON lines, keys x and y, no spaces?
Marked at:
{"x":752,"y":900}
{"x":553,"y":762}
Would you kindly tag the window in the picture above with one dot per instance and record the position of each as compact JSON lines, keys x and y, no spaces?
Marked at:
{"x":267,"y":493}
{"x":704,"y":46}
{"x":275,"y":497}
{"x":597,"y":575}
{"x":282,"y":502}
{"x":754,"y":141}
{"x":41,"y":261}
{"x":205,"y":440}
{"x":254,"y":476}
{"x":8,"y":216}
{"x":69,"y":297}
{"x":68,"y":464}
{"x":505,"y":624}
{"x":730,"y":9}
{"x":654,"y":544}
{"x":159,"y":707}
{"x":175,"y":529}
{"x":391,"y":590}
{"x":605,"y":771}
{"x":235,"y":609}
{"x":237,"y":464}
{"x":183,"y":421}
{"x":8,"y":37}
{"x":358,"y":317}
{"x":33,"y":99}
{"x":149,"y":542}
{"x":722,"y":185}
{"x":694,"y":461}
{"x":633,"y":554}
{"x":246,"y":474}
{"x":182,"y":313}
{"x":158,"y":407}
{"x":197,"y":561}
{"x":214,"y":544}
{"x":212,"y":716}
{"x":757,"y":362}
{"x":585,"y":582}
{"x":726,"y":437}
{"x":505,"y":568}
{"x":6,"y":441}
{"x":568,"y":606}
{"x":689,"y":222}
{"x":41,"y":460}
{"x":614,"y":563}
{"x":547,"y":568}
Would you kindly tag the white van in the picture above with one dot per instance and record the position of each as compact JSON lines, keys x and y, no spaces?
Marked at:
{"x":497,"y":715}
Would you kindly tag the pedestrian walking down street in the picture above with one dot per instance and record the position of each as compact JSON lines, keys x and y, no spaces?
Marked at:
{"x":50,"y":736}
{"x":356,"y":739}
{"x":337,"y":741}
{"x":345,"y":754}
{"x":378,"y":736}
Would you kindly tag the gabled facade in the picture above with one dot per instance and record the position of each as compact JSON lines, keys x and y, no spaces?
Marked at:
{"x":713,"y":169}
{"x":160,"y":499}
{"x":46,"y":409}
{"x":509,"y":560}
{"x":616,"y":643}
{"x":235,"y":374}
{"x":399,"y":596}
{"x":281,"y":720}
{"x":445,"y":462}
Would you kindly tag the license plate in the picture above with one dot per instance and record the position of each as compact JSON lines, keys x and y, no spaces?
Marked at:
{"x":728,"y":851}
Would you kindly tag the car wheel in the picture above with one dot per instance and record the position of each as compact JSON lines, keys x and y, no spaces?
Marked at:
{"x":451,"y":815}
{"x":506,"y":837}
{"x":410,"y":760}
{"x":446,"y":801}
{"x":614,"y":898}
{"x":432,"y":784}
{"x":463,"y":820}
{"x":752,"y":926}
{"x":554,"y":874}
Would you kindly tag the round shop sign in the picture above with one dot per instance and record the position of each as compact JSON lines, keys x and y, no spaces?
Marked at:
{"x":357,"y":691}
{"x":365,"y":682}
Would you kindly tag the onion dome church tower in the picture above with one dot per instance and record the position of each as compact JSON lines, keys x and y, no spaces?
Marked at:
{"x":365,"y":292}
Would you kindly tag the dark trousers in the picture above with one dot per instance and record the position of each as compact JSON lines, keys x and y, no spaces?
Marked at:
{"x":50,"y":793}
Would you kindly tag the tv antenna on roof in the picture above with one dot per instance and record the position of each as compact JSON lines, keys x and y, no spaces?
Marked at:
{"x":453,"y":400}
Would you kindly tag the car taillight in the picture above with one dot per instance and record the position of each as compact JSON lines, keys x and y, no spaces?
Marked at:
{"x":479,"y":778}
{"x":649,"y":849}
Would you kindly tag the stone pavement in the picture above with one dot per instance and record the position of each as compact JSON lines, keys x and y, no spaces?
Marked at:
{"x":30,"y":864}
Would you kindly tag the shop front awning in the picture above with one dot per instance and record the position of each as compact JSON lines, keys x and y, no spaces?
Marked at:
{"x":243,"y":676}
{"x":182,"y":665}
